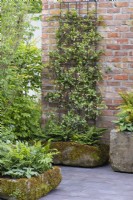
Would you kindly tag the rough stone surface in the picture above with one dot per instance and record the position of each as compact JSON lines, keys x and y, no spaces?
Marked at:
{"x":74,"y":154}
{"x":121,"y":151}
{"x":30,"y":189}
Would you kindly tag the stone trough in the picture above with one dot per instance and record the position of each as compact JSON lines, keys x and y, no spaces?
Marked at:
{"x":80,"y":155}
{"x":121,"y":151}
{"x":32,"y":188}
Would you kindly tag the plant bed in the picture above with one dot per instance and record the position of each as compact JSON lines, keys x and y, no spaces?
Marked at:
{"x":81,"y":155}
{"x":32,"y":188}
{"x":121,"y":151}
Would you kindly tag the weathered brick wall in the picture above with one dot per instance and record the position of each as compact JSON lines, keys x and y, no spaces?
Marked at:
{"x":117,"y":63}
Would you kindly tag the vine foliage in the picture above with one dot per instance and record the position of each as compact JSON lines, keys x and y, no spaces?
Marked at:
{"x":75,"y":66}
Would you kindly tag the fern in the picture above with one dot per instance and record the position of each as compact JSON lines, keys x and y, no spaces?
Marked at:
{"x":125,"y":116}
{"x":24,"y":160}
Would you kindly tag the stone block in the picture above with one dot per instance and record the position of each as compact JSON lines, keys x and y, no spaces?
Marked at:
{"x":80,"y":155}
{"x":121,"y":151}
{"x":32,"y":188}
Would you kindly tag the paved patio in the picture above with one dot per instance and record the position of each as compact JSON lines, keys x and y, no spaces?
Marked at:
{"x":93,"y":184}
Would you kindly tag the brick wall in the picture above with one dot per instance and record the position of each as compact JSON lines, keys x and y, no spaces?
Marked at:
{"x":117,"y":63}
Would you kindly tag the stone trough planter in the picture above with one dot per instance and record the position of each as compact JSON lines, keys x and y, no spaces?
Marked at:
{"x":32,"y":188}
{"x":74,"y":154}
{"x":121,"y":151}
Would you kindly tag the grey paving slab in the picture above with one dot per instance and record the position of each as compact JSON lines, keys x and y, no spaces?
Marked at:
{"x":93,"y":184}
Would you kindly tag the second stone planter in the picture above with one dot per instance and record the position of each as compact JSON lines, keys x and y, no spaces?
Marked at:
{"x":80,"y":155}
{"x":121,"y":151}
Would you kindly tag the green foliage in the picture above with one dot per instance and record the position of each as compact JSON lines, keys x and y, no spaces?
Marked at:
{"x":6,"y":134}
{"x":75,"y":66}
{"x":57,"y":131}
{"x":14,"y":28}
{"x":29,"y":63}
{"x":20,"y":113}
{"x":23,"y":160}
{"x":70,"y":129}
{"x":63,"y":130}
{"x":125,"y":116}
{"x":90,"y":137}
{"x":20,"y":72}
{"x":36,"y":6}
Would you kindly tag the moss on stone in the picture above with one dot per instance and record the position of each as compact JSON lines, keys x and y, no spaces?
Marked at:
{"x":75,"y":154}
{"x":30,"y":189}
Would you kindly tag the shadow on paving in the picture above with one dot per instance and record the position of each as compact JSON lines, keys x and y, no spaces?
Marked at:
{"x":93,"y":184}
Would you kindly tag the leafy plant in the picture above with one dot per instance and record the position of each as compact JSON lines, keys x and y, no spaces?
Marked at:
{"x":19,"y":112}
{"x":56,"y":131}
{"x":75,"y":67}
{"x":23,"y":160}
{"x":28,"y":61}
{"x":77,"y":131}
{"x":90,"y":137}
{"x":20,"y":72}
{"x":36,"y":6}
{"x":6,"y":134}
{"x":14,"y":28}
{"x":125,"y":116}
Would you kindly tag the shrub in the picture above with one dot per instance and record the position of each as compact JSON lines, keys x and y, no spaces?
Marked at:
{"x":90,"y":137}
{"x":125,"y":116}
{"x":23,"y":160}
{"x":19,"y":112}
{"x":71,"y":130}
{"x":75,"y":66}
{"x":28,"y":61}
{"x":6,"y":134}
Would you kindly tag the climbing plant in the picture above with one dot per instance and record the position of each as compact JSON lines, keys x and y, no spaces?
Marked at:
{"x":75,"y":66}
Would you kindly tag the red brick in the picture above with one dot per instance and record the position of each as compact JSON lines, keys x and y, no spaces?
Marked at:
{"x":113,"y":47}
{"x":116,"y":59}
{"x":128,"y":84}
{"x":127,"y":47}
{"x":108,"y":53}
{"x":128,"y":35}
{"x":121,"y":89}
{"x":113,"y":83}
{"x":121,"y":53}
{"x":112,"y":107}
{"x":114,"y":23}
{"x":108,"y":113}
{"x":131,"y":77}
{"x":131,"y":53}
{"x":45,"y":36}
{"x":127,"y":10}
{"x":108,"y":77}
{"x":108,"y":101}
{"x":124,"y":28}
{"x":131,"y":29}
{"x":106,"y":5}
{"x":121,"y":77}
{"x":113,"y":10}
{"x":113,"y":35}
{"x":101,"y":10}
{"x":121,"y":4}
{"x":107,"y":17}
{"x":122,"y":41}
{"x":122,"y":17}
{"x":117,"y":102}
